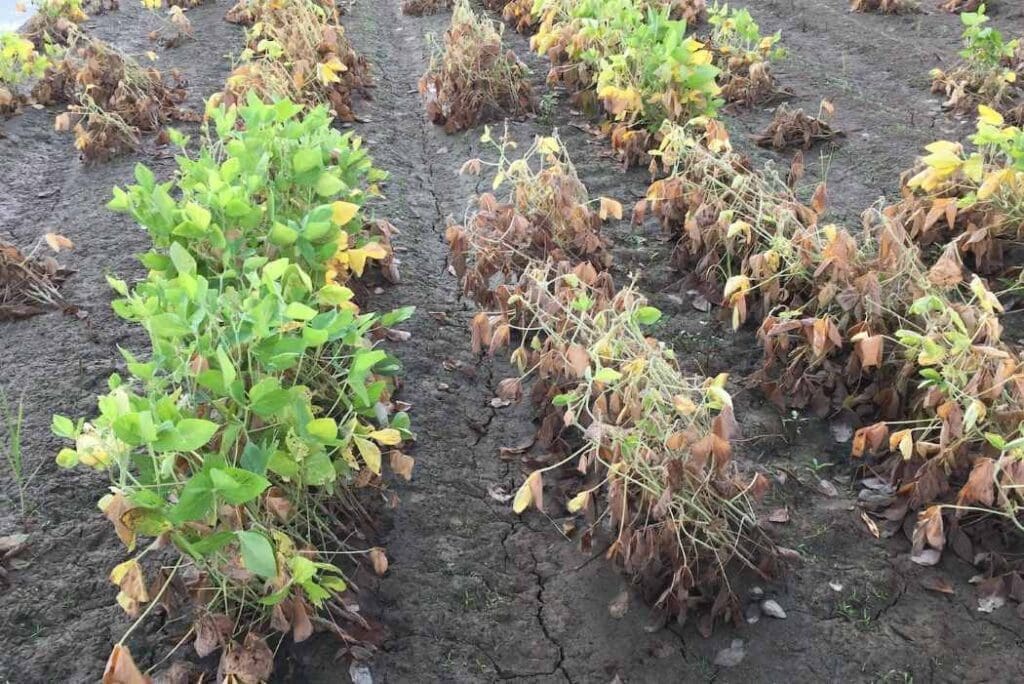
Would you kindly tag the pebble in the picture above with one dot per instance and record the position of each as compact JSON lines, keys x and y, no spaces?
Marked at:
{"x":731,"y":657}
{"x":752,"y":613}
{"x":771,"y":608}
{"x":360,"y":674}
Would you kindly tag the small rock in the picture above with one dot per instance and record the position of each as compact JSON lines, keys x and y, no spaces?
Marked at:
{"x":732,"y":656}
{"x":655,"y":621}
{"x":771,"y":608}
{"x":360,"y":674}
{"x":700,"y":304}
{"x":619,"y":605}
{"x":827,"y":488}
{"x":836,"y":585}
{"x":756,"y":592}
{"x":752,"y":613}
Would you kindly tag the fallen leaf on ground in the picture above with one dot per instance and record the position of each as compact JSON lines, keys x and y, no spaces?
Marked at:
{"x":938,"y":584}
{"x":121,"y":669}
{"x":379,"y":560}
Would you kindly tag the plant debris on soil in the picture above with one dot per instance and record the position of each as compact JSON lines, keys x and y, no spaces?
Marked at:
{"x":29,"y":285}
{"x":794,"y":128}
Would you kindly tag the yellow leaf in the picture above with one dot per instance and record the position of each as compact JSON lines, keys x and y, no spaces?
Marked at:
{"x":370,"y":453}
{"x":735,"y":285}
{"x":387,"y":437}
{"x":329,"y":70}
{"x":974,"y":167}
{"x":343,"y":212}
{"x":993,"y":182}
{"x":547,"y":145}
{"x":577,"y":502}
{"x":128,"y":576}
{"x":990,"y":116}
{"x":903,"y":441}
{"x":524,"y":497}
{"x":152,"y":55}
{"x":357,"y":260}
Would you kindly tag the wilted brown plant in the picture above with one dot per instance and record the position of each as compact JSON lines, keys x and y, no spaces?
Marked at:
{"x":111,"y":99}
{"x":886,"y":6}
{"x":546,"y":214}
{"x":420,"y":8}
{"x":793,"y":128}
{"x":297,"y":49}
{"x":471,"y":77}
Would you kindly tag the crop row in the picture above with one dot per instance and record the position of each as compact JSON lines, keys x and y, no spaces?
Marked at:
{"x":238,"y":443}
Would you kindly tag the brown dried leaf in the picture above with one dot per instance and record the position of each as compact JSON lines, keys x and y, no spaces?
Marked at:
{"x":250,"y":663}
{"x":402,"y":464}
{"x":121,"y":668}
{"x":938,"y":584}
{"x":379,"y":560}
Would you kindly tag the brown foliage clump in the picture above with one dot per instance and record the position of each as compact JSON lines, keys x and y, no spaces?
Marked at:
{"x":29,"y":284}
{"x":793,"y":128}
{"x":111,"y":99}
{"x":471,"y":78}
{"x":421,"y":8}
{"x":886,"y":6}
{"x":637,"y":440}
{"x":297,"y":49}
{"x":958,"y":6}
{"x":547,"y":214}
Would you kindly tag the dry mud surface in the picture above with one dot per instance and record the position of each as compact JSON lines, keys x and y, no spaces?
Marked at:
{"x":474,"y":593}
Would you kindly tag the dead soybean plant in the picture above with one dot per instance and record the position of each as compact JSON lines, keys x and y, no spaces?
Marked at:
{"x":650,"y":446}
{"x":30,"y":283}
{"x":471,"y":77}
{"x":546,"y":214}
{"x":886,"y":6}
{"x":862,"y":325}
{"x":421,"y":8}
{"x":655,"y":458}
{"x":297,"y":49}
{"x":793,"y":128}
{"x":112,"y":99}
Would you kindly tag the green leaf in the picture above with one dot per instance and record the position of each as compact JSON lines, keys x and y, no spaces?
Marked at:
{"x":319,"y":470}
{"x":117,"y":285}
{"x":306,"y":158}
{"x":267,"y":397}
{"x":257,"y":554}
{"x":195,"y":501}
{"x":188,"y":435}
{"x":647,"y":315}
{"x":182,"y":260}
{"x":302,"y":569}
{"x":199,"y":215}
{"x":607,"y":375}
{"x":168,"y":325}
{"x":328,"y":185}
{"x":300,"y":312}
{"x":237,"y":486}
{"x":63,"y":427}
{"x":255,"y":458}
{"x":324,"y":429}
{"x":212,"y":543}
